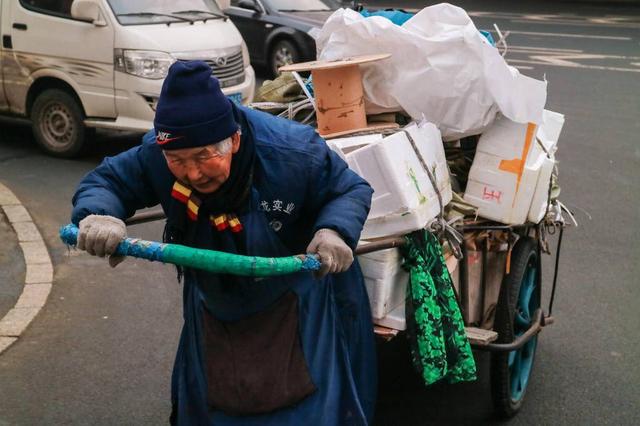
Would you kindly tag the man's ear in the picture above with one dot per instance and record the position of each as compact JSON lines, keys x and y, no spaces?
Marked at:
{"x":235,"y":142}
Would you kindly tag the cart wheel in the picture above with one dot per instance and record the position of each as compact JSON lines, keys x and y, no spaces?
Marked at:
{"x":519,"y":298}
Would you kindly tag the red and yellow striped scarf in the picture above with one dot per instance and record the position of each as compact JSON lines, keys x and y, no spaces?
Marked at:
{"x":186,"y":195}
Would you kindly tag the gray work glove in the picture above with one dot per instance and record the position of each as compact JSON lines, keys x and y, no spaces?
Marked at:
{"x":100,"y":236}
{"x":335,"y":255}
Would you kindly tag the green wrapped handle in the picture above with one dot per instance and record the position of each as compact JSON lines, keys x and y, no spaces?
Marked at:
{"x":207,"y":260}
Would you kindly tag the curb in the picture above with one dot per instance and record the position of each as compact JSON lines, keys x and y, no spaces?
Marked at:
{"x":39,"y":276}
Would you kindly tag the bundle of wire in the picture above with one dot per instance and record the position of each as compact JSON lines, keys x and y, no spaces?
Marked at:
{"x":208,"y":260}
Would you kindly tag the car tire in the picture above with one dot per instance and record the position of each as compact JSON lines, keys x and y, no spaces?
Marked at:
{"x":57,"y":123}
{"x":283,"y":52}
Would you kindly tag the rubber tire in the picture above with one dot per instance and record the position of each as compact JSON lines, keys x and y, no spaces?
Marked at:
{"x":282,"y":44}
{"x":524,"y":252}
{"x":66,"y":106}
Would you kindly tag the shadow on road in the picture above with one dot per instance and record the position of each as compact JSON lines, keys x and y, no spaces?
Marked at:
{"x":16,"y":138}
{"x":404,"y":400}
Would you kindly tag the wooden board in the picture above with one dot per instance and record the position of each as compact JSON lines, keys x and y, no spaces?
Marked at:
{"x":323,"y":65}
{"x":479,"y":336}
{"x":385,"y":332}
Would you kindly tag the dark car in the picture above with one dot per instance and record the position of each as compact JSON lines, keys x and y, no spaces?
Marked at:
{"x":276,"y":30}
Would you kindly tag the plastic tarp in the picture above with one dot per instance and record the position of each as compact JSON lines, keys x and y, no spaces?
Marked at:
{"x":441,"y":68}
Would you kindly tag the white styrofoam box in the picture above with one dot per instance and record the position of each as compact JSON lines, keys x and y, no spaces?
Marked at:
{"x":541,"y":195}
{"x":511,"y":169}
{"x":395,"y":319}
{"x":548,"y":135}
{"x":343,"y":146}
{"x":549,"y":132}
{"x":404,"y":199}
{"x":385,"y":280}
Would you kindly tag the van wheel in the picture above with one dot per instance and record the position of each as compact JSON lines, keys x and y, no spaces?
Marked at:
{"x":57,"y":123}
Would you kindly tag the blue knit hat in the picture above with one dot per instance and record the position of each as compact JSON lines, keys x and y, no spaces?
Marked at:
{"x":192,"y":111}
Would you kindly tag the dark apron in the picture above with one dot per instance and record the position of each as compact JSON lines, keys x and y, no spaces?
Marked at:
{"x":256,"y":365}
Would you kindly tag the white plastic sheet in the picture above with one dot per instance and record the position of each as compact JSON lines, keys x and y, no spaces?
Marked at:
{"x":441,"y":68}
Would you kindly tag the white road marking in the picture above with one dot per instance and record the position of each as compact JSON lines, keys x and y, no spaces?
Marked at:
{"x":544,"y":49}
{"x":560,"y":56}
{"x":571,"y":65}
{"x":575,"y":23}
{"x":607,"y":19}
{"x":601,"y":21}
{"x":533,"y":33}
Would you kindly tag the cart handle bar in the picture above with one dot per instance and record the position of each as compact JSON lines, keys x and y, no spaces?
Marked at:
{"x":382,"y":244}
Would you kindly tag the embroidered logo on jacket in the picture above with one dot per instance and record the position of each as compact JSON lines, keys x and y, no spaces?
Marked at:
{"x":277,"y":206}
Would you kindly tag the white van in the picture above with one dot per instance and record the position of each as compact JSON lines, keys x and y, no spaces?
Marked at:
{"x":75,"y":65}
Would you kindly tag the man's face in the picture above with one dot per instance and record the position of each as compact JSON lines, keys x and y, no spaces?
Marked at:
{"x":203,"y":168}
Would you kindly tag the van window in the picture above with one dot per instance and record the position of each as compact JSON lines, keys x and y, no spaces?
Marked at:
{"x":50,"y":7}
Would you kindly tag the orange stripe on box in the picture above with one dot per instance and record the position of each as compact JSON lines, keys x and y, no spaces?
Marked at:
{"x":516,"y":165}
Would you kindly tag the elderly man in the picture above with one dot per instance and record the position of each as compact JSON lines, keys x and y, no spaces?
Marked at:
{"x":287,"y":350}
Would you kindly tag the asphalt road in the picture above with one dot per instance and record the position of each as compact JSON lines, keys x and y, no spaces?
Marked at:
{"x":101,"y":350}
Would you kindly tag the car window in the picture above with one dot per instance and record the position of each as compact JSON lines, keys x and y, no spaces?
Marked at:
{"x":50,"y":7}
{"x":305,"y":5}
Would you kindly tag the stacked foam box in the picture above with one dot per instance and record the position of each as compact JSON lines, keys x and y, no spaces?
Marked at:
{"x":385,"y":280}
{"x":510,"y":175}
{"x":404,"y":199}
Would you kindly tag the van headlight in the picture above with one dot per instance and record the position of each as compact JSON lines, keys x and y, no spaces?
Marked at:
{"x":245,"y":55}
{"x":143,"y":63}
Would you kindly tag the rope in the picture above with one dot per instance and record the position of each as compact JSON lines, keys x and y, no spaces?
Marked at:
{"x":438,"y":225}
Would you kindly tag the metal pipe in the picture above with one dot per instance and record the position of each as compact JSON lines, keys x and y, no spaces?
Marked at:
{"x":387,"y":243}
{"x":384,"y":244}
{"x":539,"y":321}
{"x":144,"y":217}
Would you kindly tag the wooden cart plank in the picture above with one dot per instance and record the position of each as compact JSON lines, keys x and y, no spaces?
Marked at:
{"x":479,"y":336}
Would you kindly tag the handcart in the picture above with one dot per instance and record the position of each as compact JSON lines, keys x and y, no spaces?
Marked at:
{"x":519,"y":315}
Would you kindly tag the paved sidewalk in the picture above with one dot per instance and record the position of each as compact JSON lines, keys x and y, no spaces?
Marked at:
{"x":27,"y":272}
{"x":12,"y":267}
